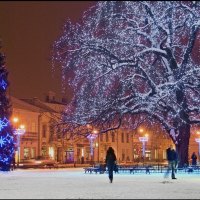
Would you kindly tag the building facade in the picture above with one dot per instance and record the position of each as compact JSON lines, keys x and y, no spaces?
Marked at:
{"x":43,"y":139}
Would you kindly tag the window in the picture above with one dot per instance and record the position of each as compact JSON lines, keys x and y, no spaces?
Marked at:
{"x":122,"y":137}
{"x":113,"y":136}
{"x":44,"y":151}
{"x":107,"y":137}
{"x":33,"y":152}
{"x":26,"y":153}
{"x":44,"y":130}
{"x":164,"y":154}
{"x":123,"y":154}
{"x":51,"y":129}
{"x":156,"y":153}
{"x":127,"y":137}
{"x":127,"y":154}
{"x":51,"y":152}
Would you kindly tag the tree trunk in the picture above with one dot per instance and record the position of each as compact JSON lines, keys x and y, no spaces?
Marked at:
{"x":182,"y":145}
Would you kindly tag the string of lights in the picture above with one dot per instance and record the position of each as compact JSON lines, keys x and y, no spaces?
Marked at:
{"x":7,"y":146}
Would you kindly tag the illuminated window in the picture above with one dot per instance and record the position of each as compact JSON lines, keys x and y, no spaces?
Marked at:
{"x":164,"y":154}
{"x":51,"y":152}
{"x":33,"y":150}
{"x":44,"y":151}
{"x":26,"y":153}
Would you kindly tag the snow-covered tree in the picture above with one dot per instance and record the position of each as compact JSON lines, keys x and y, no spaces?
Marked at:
{"x":135,"y":58}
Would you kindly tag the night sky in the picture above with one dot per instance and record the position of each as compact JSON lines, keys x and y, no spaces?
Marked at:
{"x":28,"y":30}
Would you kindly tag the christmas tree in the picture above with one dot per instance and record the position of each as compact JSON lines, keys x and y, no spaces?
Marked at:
{"x":6,"y":131}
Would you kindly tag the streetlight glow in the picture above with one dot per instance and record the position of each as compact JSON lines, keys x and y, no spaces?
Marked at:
{"x":22,"y":126}
{"x":95,"y":131}
{"x":143,"y":139}
{"x":15,"y":119}
{"x":141,"y":130}
{"x":19,"y":130}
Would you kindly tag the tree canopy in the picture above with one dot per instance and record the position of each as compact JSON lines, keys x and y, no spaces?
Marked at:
{"x":134,"y":58}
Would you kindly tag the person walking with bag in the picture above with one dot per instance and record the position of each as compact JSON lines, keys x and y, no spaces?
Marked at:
{"x":110,"y":162}
{"x":172,"y":161}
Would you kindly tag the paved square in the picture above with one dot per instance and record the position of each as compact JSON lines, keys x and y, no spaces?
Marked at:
{"x":73,"y":183}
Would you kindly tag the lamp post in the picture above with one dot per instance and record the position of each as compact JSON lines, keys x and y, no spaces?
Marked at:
{"x":143,"y":140}
{"x":91,"y":138}
{"x":18,"y":131}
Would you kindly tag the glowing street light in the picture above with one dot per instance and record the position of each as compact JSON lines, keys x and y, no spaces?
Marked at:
{"x":143,"y":140}
{"x":15,"y":119}
{"x":141,"y":130}
{"x":91,"y":138}
{"x":18,"y":131}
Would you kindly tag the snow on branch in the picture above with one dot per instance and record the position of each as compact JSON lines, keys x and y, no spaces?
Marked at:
{"x":133,"y":58}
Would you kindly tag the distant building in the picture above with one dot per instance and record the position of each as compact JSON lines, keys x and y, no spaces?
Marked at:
{"x":44,"y":139}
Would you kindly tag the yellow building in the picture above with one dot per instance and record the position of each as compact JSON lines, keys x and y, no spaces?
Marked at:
{"x":44,"y":139}
{"x":28,"y":116}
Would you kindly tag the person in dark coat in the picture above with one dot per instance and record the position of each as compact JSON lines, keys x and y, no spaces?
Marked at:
{"x":13,"y":165}
{"x":194,"y":159}
{"x":172,"y":160}
{"x":110,"y":162}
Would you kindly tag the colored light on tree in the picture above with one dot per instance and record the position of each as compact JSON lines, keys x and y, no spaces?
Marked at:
{"x":7,"y":141}
{"x":135,"y":58}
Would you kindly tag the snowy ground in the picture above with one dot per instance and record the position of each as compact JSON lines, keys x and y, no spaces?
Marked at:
{"x":75,"y":184}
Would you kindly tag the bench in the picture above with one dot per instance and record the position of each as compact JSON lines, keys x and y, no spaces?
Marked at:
{"x":147,"y":170}
{"x":125,"y":169}
{"x":94,"y":169}
{"x":133,"y":169}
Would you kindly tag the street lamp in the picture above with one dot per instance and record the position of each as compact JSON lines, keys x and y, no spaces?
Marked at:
{"x":91,"y":138}
{"x":143,"y":140}
{"x":18,"y":131}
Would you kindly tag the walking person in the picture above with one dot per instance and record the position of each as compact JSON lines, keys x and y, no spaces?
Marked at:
{"x":194,"y":159}
{"x":172,"y":160}
{"x":13,"y":165}
{"x":110,"y":162}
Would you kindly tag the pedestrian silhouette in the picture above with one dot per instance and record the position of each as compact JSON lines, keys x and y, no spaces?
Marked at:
{"x":194,"y":159}
{"x":172,"y":160}
{"x":110,"y":162}
{"x":13,"y":164}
